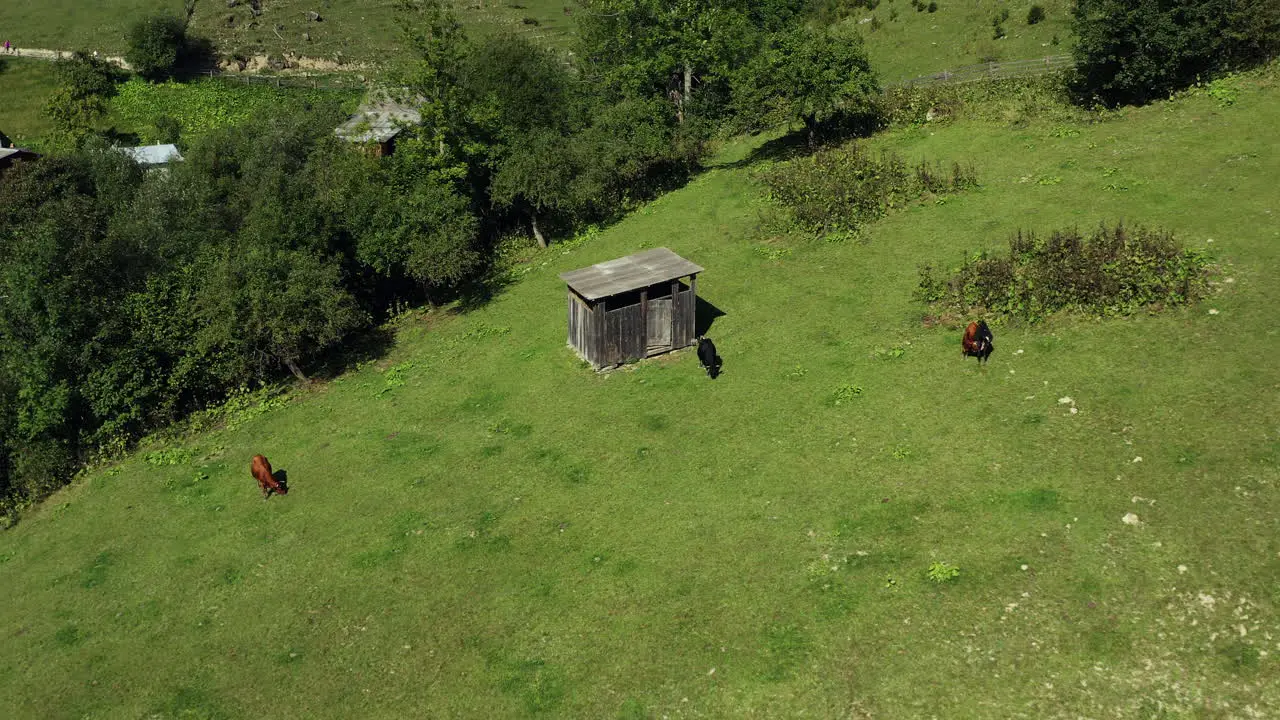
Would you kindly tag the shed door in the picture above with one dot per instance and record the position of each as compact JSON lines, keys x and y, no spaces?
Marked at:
{"x":658,"y":329}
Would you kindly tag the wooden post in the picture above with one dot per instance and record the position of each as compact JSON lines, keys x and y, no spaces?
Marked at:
{"x":693,"y":297}
{"x":675,"y":310}
{"x":644,"y":318}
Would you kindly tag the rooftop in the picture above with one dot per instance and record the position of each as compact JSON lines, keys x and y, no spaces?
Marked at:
{"x":377,"y":122}
{"x":153,"y":154}
{"x":629,"y":273}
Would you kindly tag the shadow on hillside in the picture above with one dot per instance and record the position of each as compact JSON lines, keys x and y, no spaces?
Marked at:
{"x":371,"y":345}
{"x":704,"y":316}
{"x":828,"y":134}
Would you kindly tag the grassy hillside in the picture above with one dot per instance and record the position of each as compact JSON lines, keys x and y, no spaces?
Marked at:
{"x":479,"y":527}
{"x":904,"y":43}
{"x":25,"y":85}
{"x":353,"y":30}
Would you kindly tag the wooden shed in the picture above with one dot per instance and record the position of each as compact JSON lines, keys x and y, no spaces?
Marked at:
{"x":633,"y":307}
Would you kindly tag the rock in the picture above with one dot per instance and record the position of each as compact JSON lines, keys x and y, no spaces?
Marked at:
{"x":1130,"y":519}
{"x":306,"y":37}
{"x":314,"y":16}
{"x":232,"y":3}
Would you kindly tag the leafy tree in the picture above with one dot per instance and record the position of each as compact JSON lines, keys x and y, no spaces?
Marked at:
{"x":79,"y":102}
{"x":269,"y":304}
{"x":810,"y":75}
{"x":1133,"y":52}
{"x":156,"y":45}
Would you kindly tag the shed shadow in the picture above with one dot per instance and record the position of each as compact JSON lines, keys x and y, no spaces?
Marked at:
{"x":704,"y":316}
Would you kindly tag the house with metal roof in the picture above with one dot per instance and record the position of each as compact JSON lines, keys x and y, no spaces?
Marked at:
{"x":377,"y":124}
{"x":153,"y":156}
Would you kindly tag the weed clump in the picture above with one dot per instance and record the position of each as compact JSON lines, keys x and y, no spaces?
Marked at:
{"x":1115,"y":271}
{"x":842,"y":189}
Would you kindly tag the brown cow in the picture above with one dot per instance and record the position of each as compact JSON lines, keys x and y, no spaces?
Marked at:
{"x":977,"y":341}
{"x":261,"y":470}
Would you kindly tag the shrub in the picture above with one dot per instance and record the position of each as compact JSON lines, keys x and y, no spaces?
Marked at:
{"x":844,"y":188}
{"x":155,"y":45}
{"x":1114,"y":271}
{"x":1127,"y":57}
{"x":933,"y":7}
{"x":1035,"y":15}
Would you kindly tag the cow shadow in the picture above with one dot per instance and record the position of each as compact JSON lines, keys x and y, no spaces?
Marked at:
{"x":704,"y":316}
{"x":282,"y":477}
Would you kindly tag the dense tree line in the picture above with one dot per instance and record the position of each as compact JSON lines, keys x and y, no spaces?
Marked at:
{"x":1136,"y":51}
{"x":129,"y":298}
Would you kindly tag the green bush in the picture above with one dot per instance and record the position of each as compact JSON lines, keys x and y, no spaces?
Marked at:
{"x":156,"y":44}
{"x":1035,"y":15}
{"x":1114,"y":271}
{"x":1126,"y":55}
{"x":844,"y":188}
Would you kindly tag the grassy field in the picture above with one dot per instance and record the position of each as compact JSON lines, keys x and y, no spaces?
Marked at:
{"x":25,"y":85}
{"x":352,"y":30}
{"x":906,"y":43}
{"x":479,"y":527}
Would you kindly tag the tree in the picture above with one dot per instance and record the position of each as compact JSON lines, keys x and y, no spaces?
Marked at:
{"x":156,"y":45}
{"x":811,"y":75}
{"x":79,"y":101}
{"x":422,"y":228}
{"x":1136,"y":51}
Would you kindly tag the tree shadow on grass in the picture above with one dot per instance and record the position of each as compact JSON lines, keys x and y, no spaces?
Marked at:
{"x":795,"y":143}
{"x":371,"y":345}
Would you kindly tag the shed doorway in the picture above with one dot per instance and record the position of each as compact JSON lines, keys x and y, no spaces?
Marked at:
{"x":658,"y":330}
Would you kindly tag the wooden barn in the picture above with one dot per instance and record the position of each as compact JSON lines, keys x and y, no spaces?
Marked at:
{"x":633,"y":307}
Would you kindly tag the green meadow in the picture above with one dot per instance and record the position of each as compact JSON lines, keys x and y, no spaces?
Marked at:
{"x":353,"y":30}
{"x":478,"y":526}
{"x":25,"y":85}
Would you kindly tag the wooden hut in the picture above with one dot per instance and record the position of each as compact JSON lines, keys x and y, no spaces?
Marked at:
{"x":633,"y":307}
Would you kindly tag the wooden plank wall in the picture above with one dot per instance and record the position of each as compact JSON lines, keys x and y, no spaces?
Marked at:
{"x":684,"y":318}
{"x":582,"y":327}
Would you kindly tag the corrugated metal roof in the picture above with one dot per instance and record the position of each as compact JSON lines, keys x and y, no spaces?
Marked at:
{"x":377,"y":123}
{"x":629,"y":273}
{"x":153,"y":154}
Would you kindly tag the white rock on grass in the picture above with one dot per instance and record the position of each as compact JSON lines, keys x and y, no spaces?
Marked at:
{"x":1130,"y":519}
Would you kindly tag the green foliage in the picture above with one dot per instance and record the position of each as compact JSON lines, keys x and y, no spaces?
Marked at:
{"x":809,"y":75}
{"x":1127,"y":54}
{"x":201,"y":107}
{"x":1114,"y":271}
{"x":1016,"y":100}
{"x":80,"y":101}
{"x":845,"y":394}
{"x":942,"y":572}
{"x":847,"y":187}
{"x":155,"y":45}
{"x":1035,"y":14}
{"x":169,"y":456}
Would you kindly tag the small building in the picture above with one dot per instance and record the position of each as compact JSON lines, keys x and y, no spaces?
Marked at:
{"x":376,"y":125}
{"x":633,"y":307}
{"x":11,"y":155}
{"x":153,"y":156}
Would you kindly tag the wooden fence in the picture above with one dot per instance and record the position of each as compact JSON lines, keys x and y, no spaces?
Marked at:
{"x":991,"y":71}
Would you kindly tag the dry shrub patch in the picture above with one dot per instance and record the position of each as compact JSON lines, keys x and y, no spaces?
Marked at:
{"x":1113,"y":271}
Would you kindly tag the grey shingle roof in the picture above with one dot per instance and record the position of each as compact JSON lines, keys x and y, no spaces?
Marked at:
{"x":629,"y":273}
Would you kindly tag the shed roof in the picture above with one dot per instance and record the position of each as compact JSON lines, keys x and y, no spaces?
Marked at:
{"x":629,"y":273}
{"x":153,"y":154}
{"x":8,"y":155}
{"x":377,"y":122}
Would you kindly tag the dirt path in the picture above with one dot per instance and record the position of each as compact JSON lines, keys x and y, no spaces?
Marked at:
{"x":42,"y":54}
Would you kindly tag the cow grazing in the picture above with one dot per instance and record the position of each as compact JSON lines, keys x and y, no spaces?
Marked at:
{"x":977,"y":341}
{"x":261,"y":470}
{"x":708,"y":358}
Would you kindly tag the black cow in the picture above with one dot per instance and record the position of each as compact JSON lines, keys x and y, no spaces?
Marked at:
{"x":708,"y":358}
{"x":977,"y":341}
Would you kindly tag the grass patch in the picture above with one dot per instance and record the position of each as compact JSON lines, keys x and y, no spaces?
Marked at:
{"x":764,"y":534}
